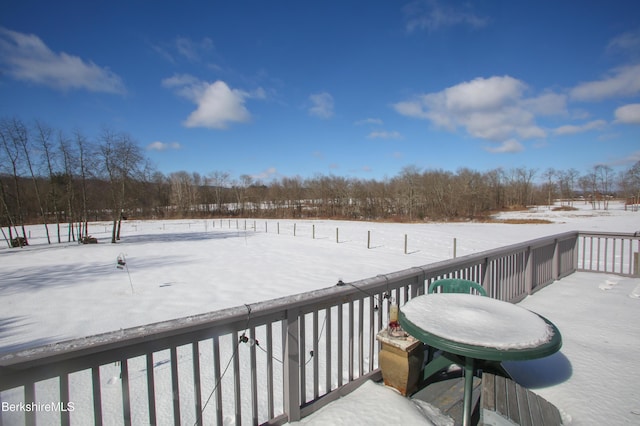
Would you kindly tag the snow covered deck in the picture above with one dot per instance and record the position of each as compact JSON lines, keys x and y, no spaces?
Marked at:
{"x":598,"y":315}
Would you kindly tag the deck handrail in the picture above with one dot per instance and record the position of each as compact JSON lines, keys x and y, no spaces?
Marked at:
{"x":285,"y":339}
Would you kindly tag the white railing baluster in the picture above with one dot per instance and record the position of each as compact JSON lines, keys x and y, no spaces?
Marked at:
{"x":126,"y":400}
{"x":328,"y":343}
{"x":351,"y":344}
{"x":217,"y":379}
{"x":151,"y":389}
{"x":372,"y":333}
{"x":30,"y":399}
{"x":270,"y":378}
{"x":303,"y":358}
{"x":64,"y":399}
{"x":175,"y":387}
{"x":97,"y":396}
{"x":254,"y":376}
{"x":360,"y":337}
{"x":340,"y":344}
{"x":197,"y":389}
{"x":315,"y":365}
{"x":237,"y":391}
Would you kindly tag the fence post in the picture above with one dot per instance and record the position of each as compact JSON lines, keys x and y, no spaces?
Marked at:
{"x":405,"y":243}
{"x":368,"y":239}
{"x":337,"y":239}
{"x":313,"y":231}
{"x":455,"y":245}
{"x":291,"y":367}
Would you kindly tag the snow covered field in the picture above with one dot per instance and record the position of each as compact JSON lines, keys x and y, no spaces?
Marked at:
{"x":179,"y":268}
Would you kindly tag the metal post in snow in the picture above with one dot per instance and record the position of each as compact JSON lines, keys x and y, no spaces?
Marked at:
{"x":313,"y":231}
{"x":368,"y":239}
{"x":405,"y":243}
{"x":455,"y":243}
{"x":337,"y":239}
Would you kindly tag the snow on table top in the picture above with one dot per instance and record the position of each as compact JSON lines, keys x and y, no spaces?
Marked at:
{"x":477,"y":320}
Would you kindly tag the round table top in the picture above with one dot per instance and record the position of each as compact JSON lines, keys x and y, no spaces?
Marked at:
{"x":479,"y":327}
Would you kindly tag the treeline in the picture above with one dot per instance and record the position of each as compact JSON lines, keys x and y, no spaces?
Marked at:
{"x":64,"y":181}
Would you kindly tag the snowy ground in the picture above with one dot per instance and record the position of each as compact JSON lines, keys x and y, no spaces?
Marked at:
{"x":178,"y":268}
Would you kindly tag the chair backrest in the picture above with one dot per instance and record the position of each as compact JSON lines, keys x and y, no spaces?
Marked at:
{"x":456,"y":285}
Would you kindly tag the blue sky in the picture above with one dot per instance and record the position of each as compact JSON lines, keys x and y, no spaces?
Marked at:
{"x":351,"y":88}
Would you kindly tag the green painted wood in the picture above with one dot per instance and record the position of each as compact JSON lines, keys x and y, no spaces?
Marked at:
{"x":456,"y":285}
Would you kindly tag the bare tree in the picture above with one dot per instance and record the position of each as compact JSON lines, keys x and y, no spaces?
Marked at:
{"x":219,"y":181}
{"x":630,"y":181}
{"x":121,"y":159}
{"x":604,"y":182}
{"x":550,"y":174}
{"x":182,"y":192}
{"x":12,"y":151}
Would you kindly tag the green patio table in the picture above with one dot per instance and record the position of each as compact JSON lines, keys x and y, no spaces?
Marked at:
{"x":470,"y":329}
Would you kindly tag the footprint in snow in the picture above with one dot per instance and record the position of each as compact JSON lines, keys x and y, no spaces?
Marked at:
{"x":608,"y":285}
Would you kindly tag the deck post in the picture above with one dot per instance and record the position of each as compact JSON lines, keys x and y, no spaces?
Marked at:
{"x":528,"y":270}
{"x":291,"y":367}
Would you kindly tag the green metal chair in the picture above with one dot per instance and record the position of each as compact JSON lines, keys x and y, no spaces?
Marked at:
{"x":456,"y":285}
{"x":453,"y":285}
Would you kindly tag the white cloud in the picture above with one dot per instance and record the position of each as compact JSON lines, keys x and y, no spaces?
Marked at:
{"x":433,"y":15}
{"x":547,"y":104}
{"x":509,"y":146}
{"x":622,"y":82}
{"x":25,"y":57}
{"x":218,"y":105}
{"x":184,"y":47}
{"x":163,"y":146}
{"x":322,"y":105}
{"x":627,"y":43}
{"x":383,"y":134}
{"x":266,"y":174}
{"x":628,"y":114}
{"x":493,"y":109}
{"x":192,"y":49}
{"x":483,"y":94}
{"x":412,"y":109}
{"x":373,"y":121}
{"x":573,"y":129}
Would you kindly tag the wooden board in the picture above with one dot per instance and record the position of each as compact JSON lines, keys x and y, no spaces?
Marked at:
{"x":504,"y":402}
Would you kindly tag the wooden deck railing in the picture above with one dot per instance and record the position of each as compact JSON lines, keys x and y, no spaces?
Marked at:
{"x":273,"y":361}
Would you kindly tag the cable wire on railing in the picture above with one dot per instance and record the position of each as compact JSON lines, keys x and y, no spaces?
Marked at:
{"x":386,"y":295}
{"x":311,"y":354}
{"x":224,"y":372}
